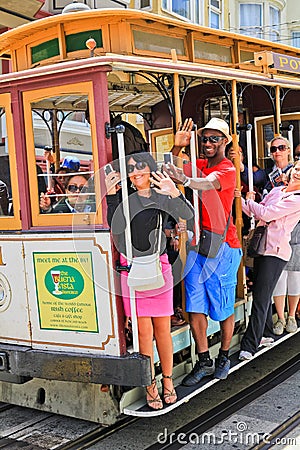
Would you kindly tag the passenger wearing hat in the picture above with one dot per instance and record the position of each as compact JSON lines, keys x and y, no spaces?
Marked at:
{"x":210,"y":282}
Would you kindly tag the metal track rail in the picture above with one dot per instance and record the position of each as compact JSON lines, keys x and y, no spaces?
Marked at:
{"x":279,"y":433}
{"x":232,"y":405}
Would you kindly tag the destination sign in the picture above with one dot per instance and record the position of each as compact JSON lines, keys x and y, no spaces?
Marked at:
{"x":286,"y":63}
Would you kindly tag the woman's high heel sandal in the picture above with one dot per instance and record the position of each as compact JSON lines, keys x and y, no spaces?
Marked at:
{"x":170,"y":396}
{"x":153,"y":401}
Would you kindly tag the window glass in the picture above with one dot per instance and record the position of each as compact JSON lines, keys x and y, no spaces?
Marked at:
{"x":158,"y":42}
{"x":189,"y":9}
{"x":215,"y":14}
{"x":214,"y":21}
{"x":296,"y":39}
{"x":216,"y":107}
{"x":63,"y":153}
{"x":251,"y":19}
{"x":145,"y":4}
{"x":183,"y":8}
{"x":274,"y":24}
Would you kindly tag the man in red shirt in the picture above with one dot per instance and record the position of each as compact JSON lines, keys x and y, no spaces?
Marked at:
{"x":210,"y":282}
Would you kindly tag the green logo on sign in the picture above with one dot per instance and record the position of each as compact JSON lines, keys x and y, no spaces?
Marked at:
{"x":64,"y":282}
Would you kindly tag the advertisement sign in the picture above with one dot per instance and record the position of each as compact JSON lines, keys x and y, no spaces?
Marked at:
{"x":65,"y":291}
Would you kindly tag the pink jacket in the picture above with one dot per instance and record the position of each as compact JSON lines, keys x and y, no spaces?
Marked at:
{"x":282,"y":210}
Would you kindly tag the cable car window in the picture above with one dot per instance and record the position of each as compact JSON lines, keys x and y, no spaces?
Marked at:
{"x":61,"y":140}
{"x":9,"y":199}
{"x":6,"y":204}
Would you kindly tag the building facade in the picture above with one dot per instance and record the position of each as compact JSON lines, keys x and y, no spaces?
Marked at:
{"x":275,"y":20}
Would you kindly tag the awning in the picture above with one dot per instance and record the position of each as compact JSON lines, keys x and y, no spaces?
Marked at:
{"x":15,"y":12}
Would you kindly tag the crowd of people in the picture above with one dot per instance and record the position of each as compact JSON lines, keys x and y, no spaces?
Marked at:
{"x":160,"y":215}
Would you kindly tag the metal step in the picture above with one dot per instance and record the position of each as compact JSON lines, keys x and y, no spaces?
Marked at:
{"x":139,"y":408}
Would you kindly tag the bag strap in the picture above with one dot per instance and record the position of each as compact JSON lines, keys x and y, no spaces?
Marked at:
{"x":159,"y":232}
{"x":200,"y":217}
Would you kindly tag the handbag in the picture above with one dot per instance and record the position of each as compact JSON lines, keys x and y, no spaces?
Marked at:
{"x":257,"y":241}
{"x":146,"y":272}
{"x":210,"y":242}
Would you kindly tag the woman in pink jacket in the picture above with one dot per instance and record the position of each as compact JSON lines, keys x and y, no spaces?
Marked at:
{"x":281,"y":210}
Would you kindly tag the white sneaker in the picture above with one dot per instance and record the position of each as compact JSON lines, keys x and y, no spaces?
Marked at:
{"x":266,"y":342}
{"x":245,"y":356}
{"x":291,"y":325}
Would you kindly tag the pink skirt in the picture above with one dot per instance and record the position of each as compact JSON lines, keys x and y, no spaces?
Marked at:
{"x":154,"y":303}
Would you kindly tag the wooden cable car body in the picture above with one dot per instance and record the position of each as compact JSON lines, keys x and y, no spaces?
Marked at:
{"x":71,"y":339}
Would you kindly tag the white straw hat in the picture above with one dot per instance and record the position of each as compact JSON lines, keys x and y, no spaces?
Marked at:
{"x":217,"y":124}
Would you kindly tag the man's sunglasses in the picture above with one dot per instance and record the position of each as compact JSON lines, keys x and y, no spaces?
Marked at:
{"x":281,"y":148}
{"x":211,"y":139}
{"x":138,"y":166}
{"x":74,"y":188}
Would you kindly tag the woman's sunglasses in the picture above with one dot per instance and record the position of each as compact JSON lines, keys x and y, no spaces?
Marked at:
{"x":211,"y":139}
{"x":138,"y":166}
{"x":74,"y":188}
{"x":281,"y":148}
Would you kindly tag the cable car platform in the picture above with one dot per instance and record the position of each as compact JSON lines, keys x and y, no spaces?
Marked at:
{"x":139,"y":408}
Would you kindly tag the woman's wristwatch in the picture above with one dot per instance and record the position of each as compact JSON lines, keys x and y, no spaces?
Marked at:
{"x":186,"y":182}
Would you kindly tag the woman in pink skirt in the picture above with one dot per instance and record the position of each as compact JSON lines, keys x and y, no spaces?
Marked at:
{"x":152,"y":194}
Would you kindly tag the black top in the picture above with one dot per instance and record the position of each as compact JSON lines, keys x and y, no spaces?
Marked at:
{"x":144,"y":219}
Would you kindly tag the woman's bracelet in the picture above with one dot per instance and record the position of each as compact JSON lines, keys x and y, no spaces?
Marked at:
{"x":186,"y":182}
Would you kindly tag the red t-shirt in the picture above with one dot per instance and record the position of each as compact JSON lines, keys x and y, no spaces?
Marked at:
{"x":217,"y":204}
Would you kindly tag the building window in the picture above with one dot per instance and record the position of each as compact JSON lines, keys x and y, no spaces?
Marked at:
{"x":296,"y":39}
{"x":215,"y":14}
{"x":188,"y":9}
{"x":274,"y":34}
{"x":251,"y":19}
{"x":145,"y":4}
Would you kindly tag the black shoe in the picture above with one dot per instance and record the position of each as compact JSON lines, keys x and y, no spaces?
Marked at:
{"x":222,"y":367}
{"x":199,"y":371}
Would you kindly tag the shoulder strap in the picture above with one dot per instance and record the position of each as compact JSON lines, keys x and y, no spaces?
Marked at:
{"x":200,"y":217}
{"x":159,"y":231}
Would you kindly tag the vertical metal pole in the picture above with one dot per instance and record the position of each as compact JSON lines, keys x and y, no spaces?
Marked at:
{"x":128,"y":245}
{"x":250,"y":164}
{"x":193,"y":150}
{"x":238,"y":202}
{"x":290,"y":138}
{"x":277,"y":112}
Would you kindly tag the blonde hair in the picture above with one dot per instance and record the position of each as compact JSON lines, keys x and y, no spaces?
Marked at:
{"x":287,"y":143}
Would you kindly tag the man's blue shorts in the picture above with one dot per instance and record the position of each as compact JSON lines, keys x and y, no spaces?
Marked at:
{"x":210,"y":282}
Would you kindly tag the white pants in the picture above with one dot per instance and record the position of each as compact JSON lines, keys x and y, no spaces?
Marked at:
{"x":288,"y":283}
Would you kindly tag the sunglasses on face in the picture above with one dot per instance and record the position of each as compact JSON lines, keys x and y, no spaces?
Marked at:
{"x":138,"y":166}
{"x":211,"y":139}
{"x":74,"y":188}
{"x":281,"y":148}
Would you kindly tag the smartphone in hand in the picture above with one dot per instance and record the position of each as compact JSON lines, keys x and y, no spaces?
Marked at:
{"x":108,"y":169}
{"x":168,"y":158}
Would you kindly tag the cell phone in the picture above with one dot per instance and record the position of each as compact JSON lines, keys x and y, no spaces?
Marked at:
{"x":108,"y":169}
{"x":274,"y":175}
{"x":168,"y":158}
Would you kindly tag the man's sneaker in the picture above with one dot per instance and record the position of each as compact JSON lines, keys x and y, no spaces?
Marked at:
{"x":291,"y":325}
{"x":245,"y":356}
{"x":279,"y":327}
{"x":222,"y":367}
{"x":199,"y":371}
{"x":266,"y":342}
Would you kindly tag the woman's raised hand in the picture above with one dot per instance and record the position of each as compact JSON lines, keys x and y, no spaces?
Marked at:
{"x":164,"y":184}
